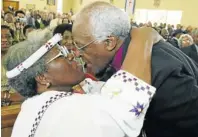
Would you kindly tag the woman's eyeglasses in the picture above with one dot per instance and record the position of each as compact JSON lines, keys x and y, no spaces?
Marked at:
{"x":63,"y":52}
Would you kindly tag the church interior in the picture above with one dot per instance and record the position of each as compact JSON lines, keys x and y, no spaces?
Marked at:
{"x":173,"y":20}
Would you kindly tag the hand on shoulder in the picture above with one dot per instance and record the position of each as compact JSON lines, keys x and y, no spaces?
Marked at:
{"x":138,"y":58}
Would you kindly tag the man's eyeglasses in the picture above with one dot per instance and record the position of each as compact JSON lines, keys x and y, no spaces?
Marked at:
{"x":82,"y":47}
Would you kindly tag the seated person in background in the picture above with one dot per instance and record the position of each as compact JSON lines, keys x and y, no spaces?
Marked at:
{"x":175,"y":37}
{"x":65,"y":30}
{"x":18,"y":33}
{"x":164,"y":33}
{"x":185,"y":40}
{"x":19,"y":14}
{"x":7,"y":36}
{"x":54,"y":110}
{"x":38,"y":22}
{"x":8,"y":95}
{"x":170,"y":29}
{"x":192,"y":50}
{"x":27,"y":29}
{"x":9,"y":20}
{"x":20,"y":17}
{"x":66,"y":21}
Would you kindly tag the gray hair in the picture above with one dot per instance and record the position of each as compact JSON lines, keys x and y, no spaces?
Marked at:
{"x":25,"y":83}
{"x":106,"y":20}
{"x":185,"y":35}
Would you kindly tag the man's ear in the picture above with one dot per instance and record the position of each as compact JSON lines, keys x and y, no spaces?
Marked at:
{"x":41,"y":79}
{"x":110,"y":43}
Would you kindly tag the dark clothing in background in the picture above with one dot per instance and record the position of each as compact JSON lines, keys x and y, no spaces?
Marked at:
{"x":174,"y":42}
{"x":192,"y":52}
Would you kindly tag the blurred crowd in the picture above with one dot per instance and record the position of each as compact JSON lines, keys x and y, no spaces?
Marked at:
{"x":21,"y":22}
{"x":179,"y":36}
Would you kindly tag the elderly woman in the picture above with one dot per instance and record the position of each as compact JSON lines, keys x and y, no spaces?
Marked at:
{"x":46,"y":74}
{"x":185,"y":40}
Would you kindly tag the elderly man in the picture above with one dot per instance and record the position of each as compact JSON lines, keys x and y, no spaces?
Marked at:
{"x":102,"y":35}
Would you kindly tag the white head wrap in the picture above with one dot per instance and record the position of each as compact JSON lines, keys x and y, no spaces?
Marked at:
{"x":34,"y":57}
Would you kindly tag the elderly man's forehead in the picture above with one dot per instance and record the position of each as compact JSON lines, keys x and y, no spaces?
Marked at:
{"x":81,"y":28}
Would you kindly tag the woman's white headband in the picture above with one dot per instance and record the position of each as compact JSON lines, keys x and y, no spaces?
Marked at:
{"x":34,"y":57}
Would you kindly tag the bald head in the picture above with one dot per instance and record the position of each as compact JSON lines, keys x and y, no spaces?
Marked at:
{"x":100,"y":20}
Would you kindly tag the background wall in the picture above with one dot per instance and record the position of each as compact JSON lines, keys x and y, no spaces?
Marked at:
{"x":67,"y":5}
{"x":40,"y":4}
{"x":189,"y":7}
{"x":76,"y":4}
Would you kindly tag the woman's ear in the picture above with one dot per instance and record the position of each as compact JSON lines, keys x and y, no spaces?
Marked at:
{"x":41,"y":79}
{"x":110,"y":43}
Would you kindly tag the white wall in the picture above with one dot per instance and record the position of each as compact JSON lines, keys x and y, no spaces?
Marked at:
{"x":40,"y":4}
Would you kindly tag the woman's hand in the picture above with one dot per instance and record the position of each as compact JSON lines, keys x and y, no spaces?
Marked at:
{"x":146,"y":33}
{"x":138,"y":58}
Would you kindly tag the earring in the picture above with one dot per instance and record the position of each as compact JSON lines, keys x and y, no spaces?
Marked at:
{"x":48,"y":85}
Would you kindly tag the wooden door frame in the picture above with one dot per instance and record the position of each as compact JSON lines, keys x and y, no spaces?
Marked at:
{"x":17,"y":3}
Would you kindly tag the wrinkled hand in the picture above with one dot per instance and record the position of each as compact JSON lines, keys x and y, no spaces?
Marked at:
{"x":138,"y":58}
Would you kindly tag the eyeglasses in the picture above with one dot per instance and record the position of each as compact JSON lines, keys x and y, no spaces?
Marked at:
{"x":63,"y":51}
{"x":82,"y":47}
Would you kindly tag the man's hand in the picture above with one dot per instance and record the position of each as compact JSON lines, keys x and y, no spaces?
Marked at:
{"x":138,"y":58}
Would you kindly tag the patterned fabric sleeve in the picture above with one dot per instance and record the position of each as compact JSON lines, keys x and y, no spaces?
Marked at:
{"x":129,"y":99}
{"x":92,"y":87}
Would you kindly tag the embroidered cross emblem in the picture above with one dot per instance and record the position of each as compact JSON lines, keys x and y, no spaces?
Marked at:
{"x":20,"y":67}
{"x":48,"y":45}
